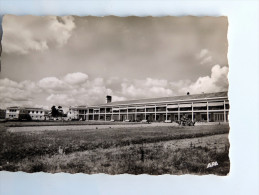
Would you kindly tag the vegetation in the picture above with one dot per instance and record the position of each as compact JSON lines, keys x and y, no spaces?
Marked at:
{"x":151,"y":150}
{"x":57,"y":112}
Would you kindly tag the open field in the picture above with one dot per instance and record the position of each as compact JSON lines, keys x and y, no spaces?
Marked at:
{"x":62,"y":123}
{"x":115,"y":149}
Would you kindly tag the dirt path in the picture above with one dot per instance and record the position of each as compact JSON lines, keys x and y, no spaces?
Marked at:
{"x":85,"y":127}
{"x":93,"y":127}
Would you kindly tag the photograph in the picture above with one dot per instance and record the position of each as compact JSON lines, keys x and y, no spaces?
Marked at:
{"x":115,"y":95}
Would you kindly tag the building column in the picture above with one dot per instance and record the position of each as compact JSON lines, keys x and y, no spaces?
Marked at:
{"x":104,"y":114}
{"x":208,"y":112}
{"x":165,"y":112}
{"x":178,"y":112}
{"x":145,"y":113}
{"x":155,"y":112}
{"x":99,"y":114}
{"x":112,"y":114}
{"x":119,"y":114}
{"x":135,"y":114}
{"x":88,"y":114}
{"x":127,"y":113}
{"x":225,"y":117}
{"x":192,"y":111}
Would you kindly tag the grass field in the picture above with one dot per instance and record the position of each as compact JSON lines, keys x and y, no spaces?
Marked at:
{"x":148,"y":149}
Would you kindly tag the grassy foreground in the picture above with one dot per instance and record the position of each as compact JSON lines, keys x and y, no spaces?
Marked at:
{"x":150,"y":150}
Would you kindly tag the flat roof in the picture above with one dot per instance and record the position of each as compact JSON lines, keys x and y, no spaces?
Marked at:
{"x":204,"y":96}
{"x":25,"y":108}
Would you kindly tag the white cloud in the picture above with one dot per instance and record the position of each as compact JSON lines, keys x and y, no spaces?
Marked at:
{"x":61,"y":99}
{"x":203,"y":53}
{"x":75,"y":78}
{"x":118,"y":98}
{"x":51,"y":83}
{"x":77,"y":89}
{"x":217,"y":81}
{"x":13,"y":93}
{"x":206,"y":60}
{"x":80,"y":92}
{"x":204,"y":57}
{"x":22,"y":34}
{"x":146,"y":88}
{"x":154,"y":82}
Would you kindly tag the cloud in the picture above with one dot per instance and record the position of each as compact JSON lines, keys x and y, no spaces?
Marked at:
{"x":23,"y":34}
{"x":60,"y":99}
{"x":76,"y":89}
{"x":217,"y":81}
{"x":118,"y":98}
{"x":203,"y":53}
{"x":51,"y":83}
{"x":206,"y":60}
{"x":146,"y":88}
{"x":75,"y":78}
{"x":12,"y":92}
{"x":204,"y":57}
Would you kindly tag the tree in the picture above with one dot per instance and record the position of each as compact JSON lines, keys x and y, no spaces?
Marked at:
{"x":54,"y":111}
{"x":60,"y":111}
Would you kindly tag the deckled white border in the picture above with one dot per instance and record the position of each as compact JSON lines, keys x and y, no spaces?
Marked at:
{"x":243,"y":39}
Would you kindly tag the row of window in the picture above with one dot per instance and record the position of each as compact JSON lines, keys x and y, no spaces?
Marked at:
{"x":23,"y":111}
{"x":12,"y":116}
{"x":158,"y":109}
{"x":11,"y":110}
{"x":32,"y":112}
{"x":163,"y":110}
{"x":199,"y":117}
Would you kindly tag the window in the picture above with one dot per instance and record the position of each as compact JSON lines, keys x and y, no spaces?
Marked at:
{"x":159,"y":109}
{"x":150,"y":109}
{"x":81,"y":111}
{"x":227,"y":106}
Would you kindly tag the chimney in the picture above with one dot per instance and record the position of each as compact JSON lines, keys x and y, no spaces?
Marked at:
{"x":108,"y":99}
{"x":188,"y":93}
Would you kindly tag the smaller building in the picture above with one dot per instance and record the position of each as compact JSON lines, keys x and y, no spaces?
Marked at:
{"x":17,"y":113}
{"x":25,"y":113}
{"x":38,"y":113}
{"x":73,"y":114}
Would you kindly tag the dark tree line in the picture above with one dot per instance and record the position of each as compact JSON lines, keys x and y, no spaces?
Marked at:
{"x":57,"y":112}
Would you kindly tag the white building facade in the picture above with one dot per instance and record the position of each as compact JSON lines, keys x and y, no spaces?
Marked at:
{"x":16,"y":113}
{"x":22,"y":113}
{"x":206,"y":107}
{"x":38,"y":113}
{"x":73,"y":114}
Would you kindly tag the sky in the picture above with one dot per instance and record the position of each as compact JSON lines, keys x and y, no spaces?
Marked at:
{"x":71,"y":60}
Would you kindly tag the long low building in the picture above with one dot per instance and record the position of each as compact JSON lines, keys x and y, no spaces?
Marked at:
{"x":205,"y":107}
